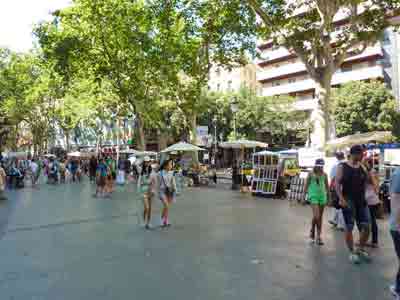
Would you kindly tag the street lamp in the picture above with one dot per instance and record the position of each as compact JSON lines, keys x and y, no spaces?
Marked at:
{"x":215,"y":120}
{"x":235,"y":109}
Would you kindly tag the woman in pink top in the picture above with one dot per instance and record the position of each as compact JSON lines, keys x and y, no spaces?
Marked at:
{"x":371,"y":195}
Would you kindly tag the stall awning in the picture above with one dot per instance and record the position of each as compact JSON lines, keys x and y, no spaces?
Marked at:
{"x":240,"y":144}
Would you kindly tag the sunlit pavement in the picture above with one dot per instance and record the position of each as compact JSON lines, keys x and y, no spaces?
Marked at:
{"x":59,"y":242}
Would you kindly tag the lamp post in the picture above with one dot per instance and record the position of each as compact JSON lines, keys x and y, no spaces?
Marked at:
{"x":235,"y":109}
{"x":215,"y":139}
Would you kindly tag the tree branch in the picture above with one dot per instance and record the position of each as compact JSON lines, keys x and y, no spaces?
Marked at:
{"x":302,"y":54}
{"x":340,"y":58}
{"x":255,"y":4}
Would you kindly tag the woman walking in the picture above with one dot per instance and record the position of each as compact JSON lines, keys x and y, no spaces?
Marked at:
{"x":318,"y":194}
{"x":147,"y":186}
{"x":371,"y":195}
{"x":167,"y":191}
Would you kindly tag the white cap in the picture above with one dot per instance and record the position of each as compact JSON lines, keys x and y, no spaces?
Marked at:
{"x":146,"y":159}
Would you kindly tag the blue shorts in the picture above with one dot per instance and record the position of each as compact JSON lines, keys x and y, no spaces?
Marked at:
{"x":356,"y":214}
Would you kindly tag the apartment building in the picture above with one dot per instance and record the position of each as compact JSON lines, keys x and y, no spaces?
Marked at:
{"x":231,"y":80}
{"x":280,"y":72}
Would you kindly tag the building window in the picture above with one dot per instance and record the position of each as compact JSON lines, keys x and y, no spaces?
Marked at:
{"x":372,"y":63}
{"x":348,"y":68}
{"x":292,"y":80}
{"x":230,"y":85}
{"x":218,"y":71}
{"x":277,"y":65}
{"x":276,"y":83}
{"x":218,"y":87}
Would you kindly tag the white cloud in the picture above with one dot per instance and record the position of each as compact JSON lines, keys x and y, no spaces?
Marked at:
{"x":17,"y":18}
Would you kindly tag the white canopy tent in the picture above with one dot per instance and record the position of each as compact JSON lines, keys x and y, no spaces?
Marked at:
{"x":79,"y":154}
{"x":359,"y":138}
{"x":183,"y":147}
{"x":240,"y":144}
{"x":138,"y":153}
{"x":19,"y":155}
{"x":74,"y":154}
{"x":266,"y":153}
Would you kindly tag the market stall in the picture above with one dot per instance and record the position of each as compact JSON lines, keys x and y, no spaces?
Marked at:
{"x":198,"y":174}
{"x":265,"y":178}
{"x":242,"y":170}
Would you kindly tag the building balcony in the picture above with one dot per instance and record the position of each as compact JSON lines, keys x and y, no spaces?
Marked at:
{"x":338,"y":78}
{"x":274,"y":73}
{"x":305,"y":104}
{"x":282,"y":55}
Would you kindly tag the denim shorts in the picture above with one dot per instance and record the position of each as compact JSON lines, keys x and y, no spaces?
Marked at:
{"x":356,"y":214}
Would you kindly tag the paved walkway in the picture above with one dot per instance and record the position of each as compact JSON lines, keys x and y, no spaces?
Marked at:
{"x":60,"y":243}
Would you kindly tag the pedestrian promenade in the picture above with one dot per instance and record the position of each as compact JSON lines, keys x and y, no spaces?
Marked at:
{"x":59,"y":243}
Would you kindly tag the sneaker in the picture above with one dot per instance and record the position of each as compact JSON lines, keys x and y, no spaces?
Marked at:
{"x":354,"y":259}
{"x":364,"y":255}
{"x":319,"y":242}
{"x":333,"y":223}
{"x":394,"y":291}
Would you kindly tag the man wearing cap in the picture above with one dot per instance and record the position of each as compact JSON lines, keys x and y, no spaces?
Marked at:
{"x":351,"y":181}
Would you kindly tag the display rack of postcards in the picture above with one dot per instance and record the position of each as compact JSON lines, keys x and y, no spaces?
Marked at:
{"x":298,"y":188}
{"x":265,"y":179}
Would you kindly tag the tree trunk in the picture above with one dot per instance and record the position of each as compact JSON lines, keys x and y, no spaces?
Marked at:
{"x":141,"y":134}
{"x":193,"y":135}
{"x":320,"y":116}
{"x":163,"y":141}
{"x":66,"y":132}
{"x":193,"y":129}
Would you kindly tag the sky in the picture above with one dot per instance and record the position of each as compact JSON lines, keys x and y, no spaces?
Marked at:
{"x":17,"y":18}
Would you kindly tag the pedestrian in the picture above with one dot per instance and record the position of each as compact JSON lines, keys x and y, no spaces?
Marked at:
{"x":62,"y":171}
{"x":351,"y":181}
{"x":109,"y":181}
{"x":167,"y":191}
{"x":79,"y":170}
{"x":337,"y":220}
{"x":92,"y":169}
{"x":318,"y":194}
{"x":53,"y":172}
{"x":73,"y":169}
{"x":147,"y":186}
{"x":371,"y":195}
{"x":3,"y":181}
{"x":394,"y":224}
{"x":101,"y":175}
{"x":35,"y":172}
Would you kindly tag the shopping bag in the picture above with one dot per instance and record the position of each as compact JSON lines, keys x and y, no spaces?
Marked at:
{"x":121,"y":177}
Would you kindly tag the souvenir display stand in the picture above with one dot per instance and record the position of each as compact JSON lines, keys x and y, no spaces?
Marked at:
{"x":298,"y":189}
{"x":265,"y":178}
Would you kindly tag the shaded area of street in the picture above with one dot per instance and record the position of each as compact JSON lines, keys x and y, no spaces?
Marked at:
{"x":61,"y":243}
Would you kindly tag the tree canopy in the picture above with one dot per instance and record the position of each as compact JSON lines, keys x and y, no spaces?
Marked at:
{"x":364,"y":107}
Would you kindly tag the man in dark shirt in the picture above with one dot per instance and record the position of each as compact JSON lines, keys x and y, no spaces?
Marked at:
{"x":92,"y":168}
{"x":351,"y":179}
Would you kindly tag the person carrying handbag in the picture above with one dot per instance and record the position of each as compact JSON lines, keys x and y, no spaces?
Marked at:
{"x":167,"y":191}
{"x":371,"y":195}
